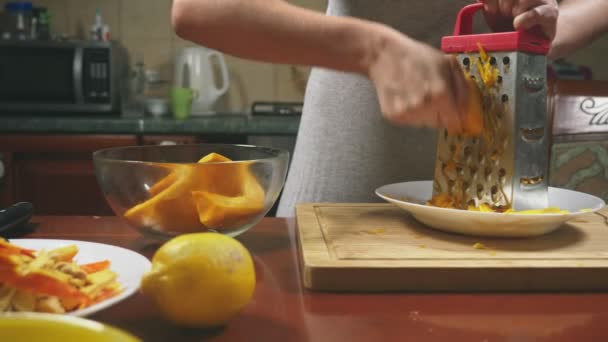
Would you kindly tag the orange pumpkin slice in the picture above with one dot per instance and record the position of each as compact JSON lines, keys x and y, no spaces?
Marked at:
{"x":171,"y":206}
{"x":41,"y":283}
{"x":191,"y":197}
{"x":222,"y":210}
{"x":473,"y":122}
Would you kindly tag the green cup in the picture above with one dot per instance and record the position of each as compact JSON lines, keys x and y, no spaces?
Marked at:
{"x":181,"y":99}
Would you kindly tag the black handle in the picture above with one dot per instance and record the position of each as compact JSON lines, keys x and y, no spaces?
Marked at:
{"x":15,"y":216}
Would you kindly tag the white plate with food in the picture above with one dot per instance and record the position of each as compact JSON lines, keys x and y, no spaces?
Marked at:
{"x":72,"y":277}
{"x":413,"y":196}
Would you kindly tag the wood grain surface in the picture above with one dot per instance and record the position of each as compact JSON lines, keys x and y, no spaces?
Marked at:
{"x":379,"y":247}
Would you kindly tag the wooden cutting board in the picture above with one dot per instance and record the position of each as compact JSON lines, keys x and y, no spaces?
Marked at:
{"x":379,"y":247}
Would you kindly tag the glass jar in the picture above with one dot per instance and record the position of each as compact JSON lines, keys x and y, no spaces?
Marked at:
{"x":19,"y":20}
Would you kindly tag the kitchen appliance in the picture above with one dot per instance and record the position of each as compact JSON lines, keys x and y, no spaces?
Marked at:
{"x":60,"y":76}
{"x":194,"y":68}
{"x":507,"y":165}
{"x":276,"y":108}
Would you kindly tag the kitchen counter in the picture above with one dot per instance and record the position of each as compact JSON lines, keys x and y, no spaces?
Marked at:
{"x":237,"y":124}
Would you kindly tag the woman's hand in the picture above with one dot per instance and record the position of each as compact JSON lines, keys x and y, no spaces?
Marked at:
{"x":417,"y":85}
{"x":504,"y":15}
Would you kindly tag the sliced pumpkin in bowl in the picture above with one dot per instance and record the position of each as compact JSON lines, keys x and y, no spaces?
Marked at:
{"x":192,"y":197}
{"x":220,"y":209}
{"x":170,"y":204}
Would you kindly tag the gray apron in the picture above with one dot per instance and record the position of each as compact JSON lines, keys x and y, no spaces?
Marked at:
{"x":345,"y":149}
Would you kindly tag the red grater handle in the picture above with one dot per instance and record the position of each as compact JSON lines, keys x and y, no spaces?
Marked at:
{"x":464,"y":20}
{"x":463,"y":39}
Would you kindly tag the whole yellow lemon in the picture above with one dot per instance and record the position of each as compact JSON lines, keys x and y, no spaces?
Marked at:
{"x":200,"y":279}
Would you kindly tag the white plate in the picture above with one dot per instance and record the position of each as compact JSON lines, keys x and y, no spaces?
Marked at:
{"x":128,"y":265}
{"x":412,"y":196}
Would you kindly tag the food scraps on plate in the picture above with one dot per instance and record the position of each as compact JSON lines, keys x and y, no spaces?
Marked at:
{"x":51,"y":281}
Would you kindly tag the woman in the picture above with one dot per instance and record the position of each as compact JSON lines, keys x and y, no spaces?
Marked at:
{"x":580,"y":23}
{"x":379,"y":84}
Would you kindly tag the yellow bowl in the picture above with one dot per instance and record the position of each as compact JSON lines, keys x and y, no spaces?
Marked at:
{"x":40,"y":327}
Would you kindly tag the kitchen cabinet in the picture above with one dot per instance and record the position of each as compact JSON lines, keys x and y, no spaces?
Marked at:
{"x":55,"y":172}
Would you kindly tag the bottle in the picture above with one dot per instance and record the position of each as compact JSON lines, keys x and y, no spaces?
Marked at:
{"x":105,"y":33}
{"x":34,"y":29}
{"x":20,"y":14}
{"x":24,"y":20}
{"x":134,"y":96}
{"x":44,"y":24}
{"x":97,"y":27}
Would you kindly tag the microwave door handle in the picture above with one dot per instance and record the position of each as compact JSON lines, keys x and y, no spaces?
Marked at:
{"x":78,"y":72}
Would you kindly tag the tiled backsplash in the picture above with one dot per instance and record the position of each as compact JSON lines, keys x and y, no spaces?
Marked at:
{"x":594,"y":56}
{"x":144,"y":27}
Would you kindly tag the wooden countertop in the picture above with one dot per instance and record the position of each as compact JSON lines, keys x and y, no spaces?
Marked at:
{"x":282,"y":310}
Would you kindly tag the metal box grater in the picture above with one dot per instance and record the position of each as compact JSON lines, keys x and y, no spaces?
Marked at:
{"x":507,"y":166}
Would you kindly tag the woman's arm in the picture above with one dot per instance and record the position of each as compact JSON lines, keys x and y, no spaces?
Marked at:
{"x":507,"y":15}
{"x":277,"y":32}
{"x":580,"y":22}
{"x":416,"y":84}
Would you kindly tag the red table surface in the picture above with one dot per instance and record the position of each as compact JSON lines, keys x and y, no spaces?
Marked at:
{"x":283,"y":310}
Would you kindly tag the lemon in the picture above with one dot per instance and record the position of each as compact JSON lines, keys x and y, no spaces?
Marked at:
{"x":200,"y":279}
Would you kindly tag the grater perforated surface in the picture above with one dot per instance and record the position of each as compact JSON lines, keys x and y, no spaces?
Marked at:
{"x":506,"y":166}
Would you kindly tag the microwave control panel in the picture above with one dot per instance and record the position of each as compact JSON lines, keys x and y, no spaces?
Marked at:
{"x":96,"y":75}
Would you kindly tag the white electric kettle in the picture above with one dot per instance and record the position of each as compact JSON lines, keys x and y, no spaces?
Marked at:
{"x":194,"y":69}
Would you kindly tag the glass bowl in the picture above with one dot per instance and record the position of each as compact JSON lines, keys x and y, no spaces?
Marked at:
{"x":170,"y":190}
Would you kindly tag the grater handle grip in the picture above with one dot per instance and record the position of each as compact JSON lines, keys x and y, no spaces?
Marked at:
{"x":464,"y":20}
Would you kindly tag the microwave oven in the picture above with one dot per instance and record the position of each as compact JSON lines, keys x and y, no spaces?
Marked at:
{"x":60,"y":76}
